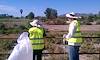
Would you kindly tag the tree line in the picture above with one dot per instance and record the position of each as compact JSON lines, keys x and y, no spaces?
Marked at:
{"x":52,"y":14}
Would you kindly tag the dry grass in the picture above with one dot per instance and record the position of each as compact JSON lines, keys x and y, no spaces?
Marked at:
{"x":54,"y":45}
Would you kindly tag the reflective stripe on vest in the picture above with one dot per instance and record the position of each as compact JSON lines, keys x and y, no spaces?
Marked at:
{"x":36,"y":38}
{"x":74,"y":38}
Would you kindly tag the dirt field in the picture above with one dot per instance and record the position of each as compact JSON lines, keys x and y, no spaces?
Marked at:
{"x":86,"y":28}
{"x":65,"y":27}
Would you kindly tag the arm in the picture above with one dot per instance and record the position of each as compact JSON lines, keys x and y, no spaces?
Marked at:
{"x":72,"y":29}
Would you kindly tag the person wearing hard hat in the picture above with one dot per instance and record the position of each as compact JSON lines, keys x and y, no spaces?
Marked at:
{"x":36,"y":34}
{"x":73,"y":38}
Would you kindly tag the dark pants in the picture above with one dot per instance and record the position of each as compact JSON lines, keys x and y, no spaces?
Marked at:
{"x":73,"y":52}
{"x":37,"y":54}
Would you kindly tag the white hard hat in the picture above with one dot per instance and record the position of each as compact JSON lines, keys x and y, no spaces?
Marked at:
{"x":35,"y":23}
{"x":71,"y":15}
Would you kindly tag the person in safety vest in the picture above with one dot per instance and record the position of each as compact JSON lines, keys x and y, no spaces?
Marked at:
{"x":73,"y":38}
{"x":36,"y":34}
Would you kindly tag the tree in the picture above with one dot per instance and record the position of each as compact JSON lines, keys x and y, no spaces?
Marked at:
{"x":3,"y":15}
{"x":50,"y":13}
{"x":30,"y":16}
{"x":21,"y":11}
{"x":98,"y":16}
{"x":91,"y":18}
{"x":99,"y":13}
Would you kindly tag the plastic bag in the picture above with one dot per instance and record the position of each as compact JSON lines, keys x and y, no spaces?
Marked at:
{"x":23,"y":50}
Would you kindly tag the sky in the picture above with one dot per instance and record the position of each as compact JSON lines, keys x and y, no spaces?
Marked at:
{"x":12,"y":7}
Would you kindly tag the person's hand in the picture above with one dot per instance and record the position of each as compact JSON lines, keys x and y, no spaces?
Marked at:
{"x":65,"y":42}
{"x":64,"y":36}
{"x":64,"y":39}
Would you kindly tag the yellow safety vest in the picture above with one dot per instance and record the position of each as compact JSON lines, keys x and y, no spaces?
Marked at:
{"x":75,"y":38}
{"x":36,"y":38}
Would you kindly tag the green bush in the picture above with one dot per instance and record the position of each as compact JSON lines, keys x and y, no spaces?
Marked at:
{"x":98,"y":22}
{"x":2,"y":31}
{"x":6,"y":45}
{"x":2,"y":26}
{"x":55,"y":22}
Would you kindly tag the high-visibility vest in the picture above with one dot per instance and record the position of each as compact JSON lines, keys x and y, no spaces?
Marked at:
{"x":76,"y":37}
{"x":36,"y":38}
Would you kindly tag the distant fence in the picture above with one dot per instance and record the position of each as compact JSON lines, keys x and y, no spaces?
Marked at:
{"x":6,"y":53}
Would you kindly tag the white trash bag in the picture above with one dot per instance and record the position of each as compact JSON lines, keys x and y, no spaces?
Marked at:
{"x":23,"y":50}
